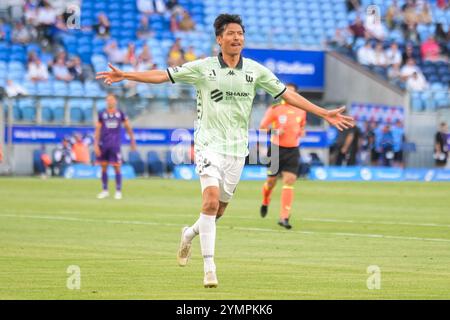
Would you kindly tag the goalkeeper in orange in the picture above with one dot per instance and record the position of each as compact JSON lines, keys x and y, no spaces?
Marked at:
{"x":288,"y":126}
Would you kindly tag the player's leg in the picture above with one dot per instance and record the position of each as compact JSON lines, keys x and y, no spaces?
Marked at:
{"x":289,"y":163}
{"x":273,"y":154}
{"x":104,"y":179}
{"x":287,"y":198}
{"x":268,"y":187}
{"x":118,"y":174}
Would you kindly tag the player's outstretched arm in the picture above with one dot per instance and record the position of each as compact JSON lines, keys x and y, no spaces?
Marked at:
{"x":334,"y":117}
{"x":116,"y":75}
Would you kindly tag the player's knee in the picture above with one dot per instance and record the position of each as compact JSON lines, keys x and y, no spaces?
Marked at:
{"x":210,"y":205}
{"x":271,"y":183}
{"x":289,"y":181}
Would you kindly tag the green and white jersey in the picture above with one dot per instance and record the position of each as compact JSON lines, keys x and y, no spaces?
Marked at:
{"x":224,"y":100}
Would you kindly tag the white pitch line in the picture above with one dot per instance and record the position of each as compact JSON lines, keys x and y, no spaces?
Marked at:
{"x":378,"y":222}
{"x":364,"y":235}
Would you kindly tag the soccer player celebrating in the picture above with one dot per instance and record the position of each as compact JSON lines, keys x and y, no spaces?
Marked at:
{"x":107,"y":142}
{"x":288,"y":125}
{"x":226,"y":86}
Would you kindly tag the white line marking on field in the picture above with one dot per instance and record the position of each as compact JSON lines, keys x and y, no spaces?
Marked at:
{"x":378,"y":222}
{"x":364,"y":235}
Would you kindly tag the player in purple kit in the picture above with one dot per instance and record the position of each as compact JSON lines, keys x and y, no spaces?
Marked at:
{"x":107,"y":142}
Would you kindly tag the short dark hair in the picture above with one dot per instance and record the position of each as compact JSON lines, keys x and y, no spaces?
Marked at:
{"x":224,"y":19}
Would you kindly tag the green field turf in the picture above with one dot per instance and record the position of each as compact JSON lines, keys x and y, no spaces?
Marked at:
{"x":127,"y":249}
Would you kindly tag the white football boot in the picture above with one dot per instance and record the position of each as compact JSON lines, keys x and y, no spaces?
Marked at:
{"x":184,"y":251}
{"x":102,"y":195}
{"x":210,"y":280}
{"x":118,"y":195}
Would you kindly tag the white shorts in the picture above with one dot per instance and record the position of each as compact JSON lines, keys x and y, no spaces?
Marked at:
{"x":219,"y":170}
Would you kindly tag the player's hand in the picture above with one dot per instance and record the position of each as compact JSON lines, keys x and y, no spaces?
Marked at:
{"x":339,"y":120}
{"x":97,"y":151}
{"x":133,"y":145}
{"x":110,"y":77}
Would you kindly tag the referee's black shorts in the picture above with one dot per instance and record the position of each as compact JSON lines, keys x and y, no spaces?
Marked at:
{"x":287,"y":160}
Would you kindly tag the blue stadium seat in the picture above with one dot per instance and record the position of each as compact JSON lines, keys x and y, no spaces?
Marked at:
{"x":44,"y":88}
{"x":76,"y":89}
{"x":60,"y":88}
{"x":154,"y":164}
{"x":135,"y":160}
{"x":76,"y":115}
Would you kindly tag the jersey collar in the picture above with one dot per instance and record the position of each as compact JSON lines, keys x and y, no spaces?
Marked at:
{"x":223,"y":64}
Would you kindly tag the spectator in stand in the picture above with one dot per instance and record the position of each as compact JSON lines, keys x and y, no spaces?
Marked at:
{"x":114,"y":53}
{"x":373,"y":26}
{"x":416,"y":82}
{"x":14,"y":89}
{"x":174,"y":27}
{"x":149,"y":7}
{"x":37,"y":71}
{"x":102,"y":28}
{"x":365,"y":54}
{"x":46,"y":19}
{"x":186,"y":23}
{"x":394,"y":74}
{"x":352,"y":5}
{"x":443,"y":4}
{"x":30,"y":9}
{"x":144,"y":30}
{"x":176,"y":54}
{"x":172,"y":5}
{"x":443,"y":38}
{"x":393,"y":55}
{"x":80,"y":150}
{"x":409,"y":52}
{"x":440,"y":146}
{"x":60,"y":70}
{"x":2,"y":30}
{"x":410,"y":14}
{"x":430,"y":50}
{"x":190,"y":55}
{"x":340,"y":39}
{"x":393,"y":15}
{"x":411,"y":33}
{"x":379,"y":56}
{"x":22,"y":34}
{"x":425,"y":15}
{"x":408,"y":69}
{"x":130,"y":55}
{"x":145,"y":60}
{"x":358,"y":30}
{"x":76,"y":69}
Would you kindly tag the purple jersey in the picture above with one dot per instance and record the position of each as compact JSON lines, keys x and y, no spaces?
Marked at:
{"x":111,"y":131}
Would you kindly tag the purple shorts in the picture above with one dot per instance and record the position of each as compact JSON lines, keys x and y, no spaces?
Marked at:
{"x":110,"y":155}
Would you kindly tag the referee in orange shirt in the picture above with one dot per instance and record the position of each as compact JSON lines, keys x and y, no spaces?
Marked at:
{"x":288,"y":125}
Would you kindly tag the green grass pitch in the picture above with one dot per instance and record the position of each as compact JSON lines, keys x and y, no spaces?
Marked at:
{"x":127,"y":249}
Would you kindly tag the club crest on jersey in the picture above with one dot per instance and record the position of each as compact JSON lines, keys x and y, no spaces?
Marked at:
{"x":248,"y":78}
{"x":282,"y":119}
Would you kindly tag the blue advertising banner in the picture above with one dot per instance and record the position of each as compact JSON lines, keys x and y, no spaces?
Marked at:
{"x":304,"y":68}
{"x":377,"y":174}
{"x":83,"y":171}
{"x":48,"y":134}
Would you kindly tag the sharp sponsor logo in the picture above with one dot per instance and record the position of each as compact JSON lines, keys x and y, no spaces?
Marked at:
{"x":237,"y":94}
{"x":217,"y":95}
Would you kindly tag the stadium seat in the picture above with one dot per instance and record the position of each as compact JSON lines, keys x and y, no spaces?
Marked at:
{"x":135,"y":160}
{"x":154,"y":164}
